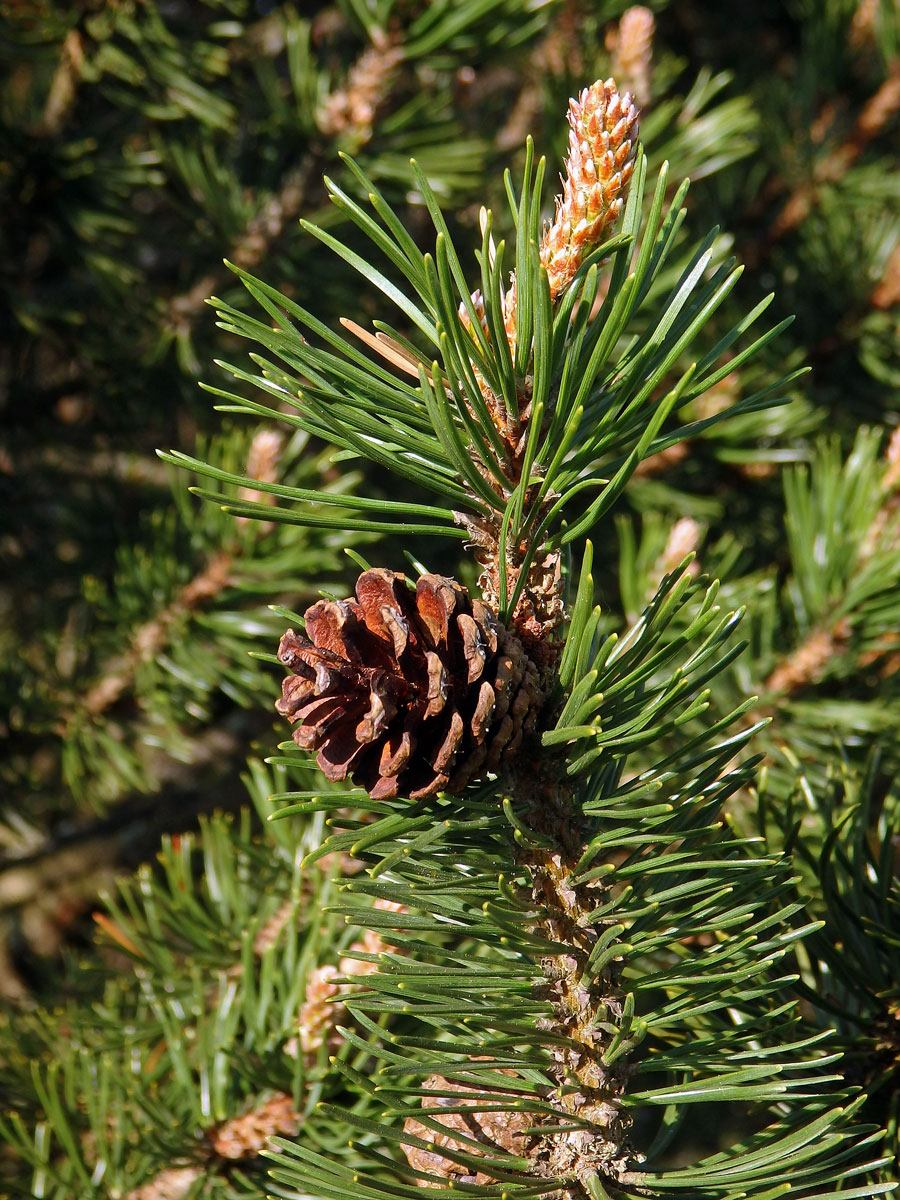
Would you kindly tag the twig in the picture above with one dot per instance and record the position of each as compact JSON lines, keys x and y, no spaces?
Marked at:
{"x":322,"y":1009}
{"x":146,"y":643}
{"x":242,"y":1137}
{"x":245,"y":1136}
{"x":268,"y":223}
{"x":262,"y":466}
{"x":265,"y":37}
{"x":662,"y":460}
{"x":887,"y":293}
{"x":151,"y":636}
{"x":172,"y":1184}
{"x":863,"y":24}
{"x":684,"y":538}
{"x":806,"y":664}
{"x":63,"y":87}
{"x":235,"y":1140}
{"x":352,"y":107}
{"x":558,"y":54}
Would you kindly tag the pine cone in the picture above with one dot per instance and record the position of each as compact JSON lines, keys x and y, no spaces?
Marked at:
{"x":407,"y":692}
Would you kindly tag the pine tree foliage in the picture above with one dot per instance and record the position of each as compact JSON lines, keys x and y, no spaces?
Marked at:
{"x":181,"y":1041}
{"x":822,"y":626}
{"x":179,"y":628}
{"x":105,"y":175}
{"x":657,"y":952}
{"x":549,"y":1031}
{"x":842,"y":841}
{"x":115,"y":100}
{"x":721,"y":1028}
{"x":139,"y":143}
{"x":599,"y":422}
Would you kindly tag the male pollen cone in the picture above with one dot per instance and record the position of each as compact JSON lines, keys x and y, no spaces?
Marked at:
{"x":408,"y":692}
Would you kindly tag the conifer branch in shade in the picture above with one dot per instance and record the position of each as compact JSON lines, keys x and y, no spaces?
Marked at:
{"x":832,"y":636}
{"x":881,"y":107}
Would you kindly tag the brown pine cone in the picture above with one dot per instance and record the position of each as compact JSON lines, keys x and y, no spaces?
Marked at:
{"x":407,"y":692}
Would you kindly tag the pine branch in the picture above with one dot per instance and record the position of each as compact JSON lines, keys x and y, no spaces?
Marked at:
{"x":548,"y":908}
{"x":350,"y":110}
{"x":872,"y":560}
{"x":846,"y":879}
{"x":631,"y":46}
{"x":256,"y":925}
{"x":561,"y":934}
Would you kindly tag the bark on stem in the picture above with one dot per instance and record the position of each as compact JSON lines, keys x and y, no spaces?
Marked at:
{"x":587,"y":1003}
